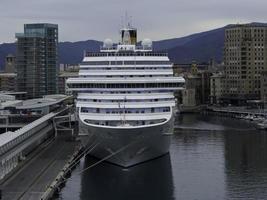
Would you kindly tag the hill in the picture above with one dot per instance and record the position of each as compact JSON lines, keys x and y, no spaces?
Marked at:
{"x":200,"y":47}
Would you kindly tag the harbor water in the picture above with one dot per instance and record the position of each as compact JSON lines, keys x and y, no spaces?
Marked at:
{"x":210,"y":158}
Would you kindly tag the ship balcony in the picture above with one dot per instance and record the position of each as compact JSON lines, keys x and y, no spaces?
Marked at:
{"x":124,"y":124}
{"x":157,"y":104}
{"x":125,"y":72}
{"x":84,"y":66}
{"x":153,"y":80}
{"x":128,"y":96}
{"x":92,"y":90}
{"x":125,"y":117}
{"x":126,"y":59}
{"x":111,"y":53}
{"x":155,"y":89}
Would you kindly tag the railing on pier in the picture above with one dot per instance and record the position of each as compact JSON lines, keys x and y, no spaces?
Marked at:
{"x":13,"y":143}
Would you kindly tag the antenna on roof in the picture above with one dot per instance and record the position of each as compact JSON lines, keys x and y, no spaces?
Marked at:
{"x":130,"y":21}
{"x":121,"y":25}
{"x":126,"y":20}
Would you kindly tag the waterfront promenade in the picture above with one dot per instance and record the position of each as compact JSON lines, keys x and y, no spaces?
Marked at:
{"x":237,"y":110}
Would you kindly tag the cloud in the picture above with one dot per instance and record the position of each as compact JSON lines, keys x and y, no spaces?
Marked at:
{"x":99,"y":19}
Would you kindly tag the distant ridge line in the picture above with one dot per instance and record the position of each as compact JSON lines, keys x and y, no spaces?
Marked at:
{"x":200,"y":47}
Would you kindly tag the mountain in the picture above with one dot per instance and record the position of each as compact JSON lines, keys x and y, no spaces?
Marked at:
{"x":72,"y":52}
{"x":5,"y":49}
{"x":200,"y":47}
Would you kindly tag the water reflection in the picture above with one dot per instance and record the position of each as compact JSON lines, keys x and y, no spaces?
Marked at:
{"x":150,"y":180}
{"x":213,"y":123}
{"x":198,"y":165}
{"x":227,"y":159}
{"x":246,"y":165}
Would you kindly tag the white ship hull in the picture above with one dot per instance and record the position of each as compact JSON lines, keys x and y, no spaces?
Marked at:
{"x":125,"y":100}
{"x":134,"y":145}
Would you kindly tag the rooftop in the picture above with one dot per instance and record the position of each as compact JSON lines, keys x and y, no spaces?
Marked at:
{"x":249,"y":25}
{"x":13,"y":103}
{"x":48,"y":100}
{"x":12,"y":92}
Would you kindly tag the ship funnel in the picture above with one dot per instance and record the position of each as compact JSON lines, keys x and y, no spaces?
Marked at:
{"x":128,"y":33}
{"x":129,"y":36}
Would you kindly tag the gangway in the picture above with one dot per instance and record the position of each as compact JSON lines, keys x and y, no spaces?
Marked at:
{"x":63,"y":124}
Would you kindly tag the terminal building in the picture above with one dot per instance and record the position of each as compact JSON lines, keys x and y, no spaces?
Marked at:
{"x":17,"y":113}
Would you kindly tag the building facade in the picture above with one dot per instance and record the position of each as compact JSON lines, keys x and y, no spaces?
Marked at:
{"x":216,"y":88}
{"x":245,"y":58}
{"x":189,"y":97}
{"x":37,"y":60}
{"x":264,"y":87}
{"x":187,"y":68}
{"x":8,"y":82}
{"x":10,"y":64}
{"x":198,"y":88}
{"x":62,"y":81}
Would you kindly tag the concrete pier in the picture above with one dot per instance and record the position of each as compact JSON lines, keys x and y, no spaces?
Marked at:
{"x":31,"y":181}
{"x":233,"y":111}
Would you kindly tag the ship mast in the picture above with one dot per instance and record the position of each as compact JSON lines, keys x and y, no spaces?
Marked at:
{"x":128,"y":33}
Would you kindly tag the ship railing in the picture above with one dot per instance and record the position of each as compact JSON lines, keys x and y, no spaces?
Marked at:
{"x":108,"y":48}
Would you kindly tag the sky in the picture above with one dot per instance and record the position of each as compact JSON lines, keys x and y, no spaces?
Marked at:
{"x":99,"y":19}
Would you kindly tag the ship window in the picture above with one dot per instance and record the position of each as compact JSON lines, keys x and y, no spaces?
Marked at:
{"x":128,"y":85}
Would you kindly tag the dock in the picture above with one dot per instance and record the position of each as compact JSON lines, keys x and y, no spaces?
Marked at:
{"x":37,"y":158}
{"x":233,"y":111}
{"x":32,"y":180}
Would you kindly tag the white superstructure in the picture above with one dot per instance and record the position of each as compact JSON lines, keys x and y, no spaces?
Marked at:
{"x":125,"y":87}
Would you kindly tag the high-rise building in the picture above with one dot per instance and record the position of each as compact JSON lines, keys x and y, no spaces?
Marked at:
{"x":37,"y":59}
{"x":245,"y":59}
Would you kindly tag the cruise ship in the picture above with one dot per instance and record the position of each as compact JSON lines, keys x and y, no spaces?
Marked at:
{"x":125,"y":100}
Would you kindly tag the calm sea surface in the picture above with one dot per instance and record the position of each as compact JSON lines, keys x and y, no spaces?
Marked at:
{"x":224,"y":159}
